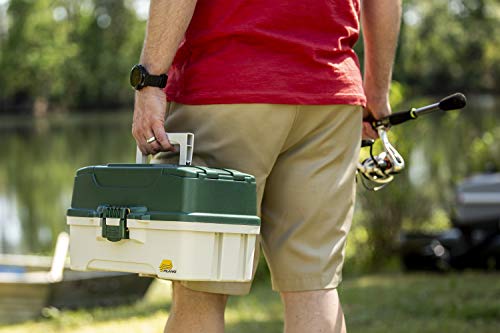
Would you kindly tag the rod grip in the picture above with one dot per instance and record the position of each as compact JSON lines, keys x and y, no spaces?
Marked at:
{"x":395,"y":118}
{"x":401,"y":117}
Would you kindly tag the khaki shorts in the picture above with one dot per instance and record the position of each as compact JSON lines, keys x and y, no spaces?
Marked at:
{"x":303,"y":158}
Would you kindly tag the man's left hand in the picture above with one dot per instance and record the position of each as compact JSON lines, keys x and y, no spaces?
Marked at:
{"x":149,"y":121}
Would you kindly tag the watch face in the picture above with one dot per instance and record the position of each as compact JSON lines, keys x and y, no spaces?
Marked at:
{"x":136,"y":77}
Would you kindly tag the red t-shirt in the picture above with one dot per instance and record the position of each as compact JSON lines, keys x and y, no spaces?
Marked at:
{"x":261,"y":51}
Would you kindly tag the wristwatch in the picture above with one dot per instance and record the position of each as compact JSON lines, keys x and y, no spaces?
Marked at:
{"x":140,"y":78}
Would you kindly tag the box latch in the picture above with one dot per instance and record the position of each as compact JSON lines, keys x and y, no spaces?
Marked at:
{"x":114,"y":223}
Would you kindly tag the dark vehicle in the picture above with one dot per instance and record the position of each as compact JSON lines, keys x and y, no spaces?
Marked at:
{"x":474,"y":239}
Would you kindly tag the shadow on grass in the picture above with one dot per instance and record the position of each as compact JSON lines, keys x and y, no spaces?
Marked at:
{"x":156,"y":301}
{"x":141,"y":309}
{"x":251,"y":326}
{"x":55,"y":320}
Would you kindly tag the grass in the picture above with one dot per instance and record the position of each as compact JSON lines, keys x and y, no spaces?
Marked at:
{"x":468,"y":302}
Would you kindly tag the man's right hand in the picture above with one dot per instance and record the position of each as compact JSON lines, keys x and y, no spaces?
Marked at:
{"x":376,"y":109}
{"x":380,"y":20}
{"x":149,"y":118}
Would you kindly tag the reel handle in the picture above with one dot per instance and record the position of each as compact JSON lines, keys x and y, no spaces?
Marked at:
{"x":367,"y":143}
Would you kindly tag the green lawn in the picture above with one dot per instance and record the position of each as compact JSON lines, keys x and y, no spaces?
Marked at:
{"x":468,"y":302}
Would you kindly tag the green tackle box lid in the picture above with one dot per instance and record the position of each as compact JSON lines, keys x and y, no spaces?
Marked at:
{"x":166,"y":192}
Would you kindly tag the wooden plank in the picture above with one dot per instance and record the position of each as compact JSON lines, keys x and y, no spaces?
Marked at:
{"x":26,"y":260}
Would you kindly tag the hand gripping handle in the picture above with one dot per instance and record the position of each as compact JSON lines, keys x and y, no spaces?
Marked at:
{"x":184,"y":140}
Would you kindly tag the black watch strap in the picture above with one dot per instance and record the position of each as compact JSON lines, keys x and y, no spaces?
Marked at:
{"x":155,"y":80}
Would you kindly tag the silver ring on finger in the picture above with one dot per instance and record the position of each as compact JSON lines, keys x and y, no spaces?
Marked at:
{"x":151,"y":139}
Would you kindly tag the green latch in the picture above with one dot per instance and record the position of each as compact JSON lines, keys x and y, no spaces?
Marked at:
{"x":117,"y":230}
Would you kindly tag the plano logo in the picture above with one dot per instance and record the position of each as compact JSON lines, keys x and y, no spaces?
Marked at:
{"x":167,"y":266}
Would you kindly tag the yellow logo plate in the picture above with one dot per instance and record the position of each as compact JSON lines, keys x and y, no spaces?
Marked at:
{"x":167,"y":266}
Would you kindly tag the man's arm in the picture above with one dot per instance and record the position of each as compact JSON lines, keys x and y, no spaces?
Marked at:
{"x":381,"y":20}
{"x":167,"y":24}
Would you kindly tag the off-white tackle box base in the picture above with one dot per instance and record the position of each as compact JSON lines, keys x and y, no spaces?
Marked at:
{"x":172,"y":250}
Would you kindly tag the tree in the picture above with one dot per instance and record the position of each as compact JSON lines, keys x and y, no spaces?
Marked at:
{"x":69,"y":53}
{"x":448,"y":45}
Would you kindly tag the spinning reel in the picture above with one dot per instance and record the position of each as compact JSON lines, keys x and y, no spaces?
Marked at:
{"x":378,"y":170}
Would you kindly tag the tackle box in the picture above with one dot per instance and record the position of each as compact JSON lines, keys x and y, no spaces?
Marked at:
{"x":175,"y":222}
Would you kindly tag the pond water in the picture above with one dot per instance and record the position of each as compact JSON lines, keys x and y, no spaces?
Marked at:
{"x":38,"y":160}
{"x":39,"y":157}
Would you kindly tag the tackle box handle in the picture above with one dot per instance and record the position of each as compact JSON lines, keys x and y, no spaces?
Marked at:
{"x":184,"y":140}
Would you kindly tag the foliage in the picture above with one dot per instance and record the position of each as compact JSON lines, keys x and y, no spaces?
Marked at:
{"x":449,"y":45}
{"x":69,"y":53}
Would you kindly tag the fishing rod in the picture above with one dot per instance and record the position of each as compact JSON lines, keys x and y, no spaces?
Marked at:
{"x":379,"y":170}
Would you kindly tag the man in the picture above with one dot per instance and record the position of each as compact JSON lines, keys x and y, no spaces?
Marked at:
{"x":272,"y":88}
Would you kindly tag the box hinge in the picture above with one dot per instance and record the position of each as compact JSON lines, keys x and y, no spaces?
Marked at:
{"x":114,"y":222}
{"x":207,"y":173}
